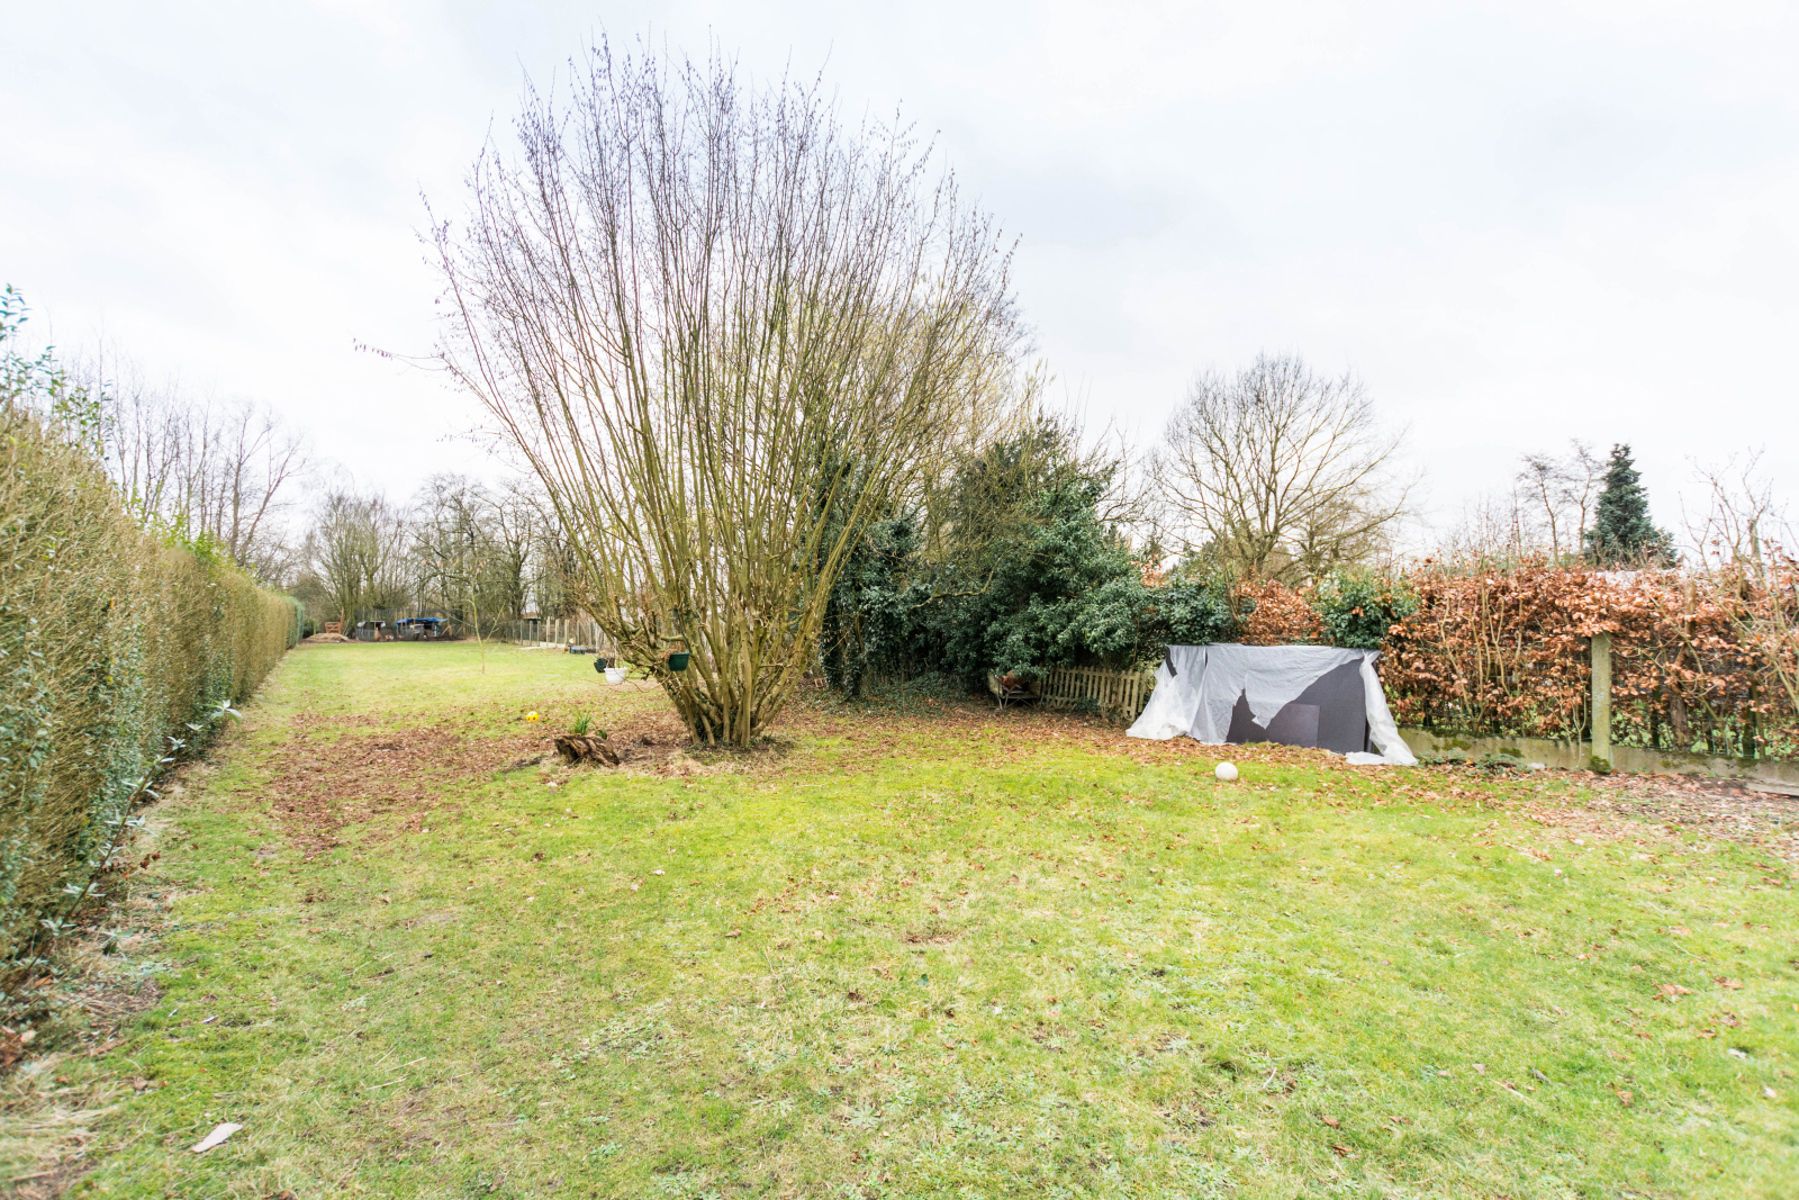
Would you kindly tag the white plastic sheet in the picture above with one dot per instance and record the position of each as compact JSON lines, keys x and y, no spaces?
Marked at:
{"x":1173,"y":706}
{"x":1383,"y":733}
{"x":1198,"y":686}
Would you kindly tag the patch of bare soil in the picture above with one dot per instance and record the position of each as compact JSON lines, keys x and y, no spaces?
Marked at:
{"x":337,"y":771}
{"x":1716,"y":808}
{"x":340,"y":770}
{"x":1644,"y":809}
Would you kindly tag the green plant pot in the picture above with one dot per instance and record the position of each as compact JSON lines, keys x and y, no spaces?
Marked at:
{"x":678,"y":660}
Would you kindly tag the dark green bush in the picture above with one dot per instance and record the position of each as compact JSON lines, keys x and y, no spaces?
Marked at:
{"x":1054,"y":585}
{"x":1012,"y":568}
{"x":1189,"y":614}
{"x":867,"y":616}
{"x":1357,"y":608}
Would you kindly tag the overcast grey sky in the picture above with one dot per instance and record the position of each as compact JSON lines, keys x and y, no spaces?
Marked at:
{"x":1518,"y":223}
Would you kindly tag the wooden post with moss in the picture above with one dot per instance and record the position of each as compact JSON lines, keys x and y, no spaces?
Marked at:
{"x":1602,"y":702}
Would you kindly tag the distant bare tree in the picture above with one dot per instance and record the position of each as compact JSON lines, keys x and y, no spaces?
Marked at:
{"x":390,"y":584}
{"x":226,"y":472}
{"x":550,"y":564}
{"x":470,"y":550}
{"x":1562,"y":490}
{"x":448,"y":545}
{"x":1744,"y":524}
{"x":1493,"y":529}
{"x":511,"y":536}
{"x":1542,"y":478}
{"x":724,"y":332}
{"x":1751,"y":547}
{"x":354,"y":551}
{"x":1277,"y":472}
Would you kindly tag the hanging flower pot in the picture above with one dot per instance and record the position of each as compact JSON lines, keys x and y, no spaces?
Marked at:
{"x":615,"y":674}
{"x":600,"y":664}
{"x":678,"y":660}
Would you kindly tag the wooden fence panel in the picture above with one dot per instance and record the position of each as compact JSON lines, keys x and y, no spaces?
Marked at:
{"x":1117,"y":695}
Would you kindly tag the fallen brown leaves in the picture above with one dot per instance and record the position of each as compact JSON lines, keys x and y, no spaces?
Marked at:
{"x":336,"y":771}
{"x":333,"y":771}
{"x":1708,"y":807}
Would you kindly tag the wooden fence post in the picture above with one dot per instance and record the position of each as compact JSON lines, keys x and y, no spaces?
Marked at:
{"x":1602,"y":701}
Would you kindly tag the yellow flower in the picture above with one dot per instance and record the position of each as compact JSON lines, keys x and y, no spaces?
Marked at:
{"x":531,"y":716}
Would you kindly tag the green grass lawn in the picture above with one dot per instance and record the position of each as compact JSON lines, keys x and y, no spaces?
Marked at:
{"x":940,"y":952}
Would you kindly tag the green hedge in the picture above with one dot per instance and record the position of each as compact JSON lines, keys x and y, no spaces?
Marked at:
{"x":118,"y":651}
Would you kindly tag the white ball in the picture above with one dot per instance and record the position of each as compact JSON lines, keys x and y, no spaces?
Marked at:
{"x":1226,"y":772}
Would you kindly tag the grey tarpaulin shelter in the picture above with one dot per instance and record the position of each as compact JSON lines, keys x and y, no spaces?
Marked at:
{"x":1298,"y":695}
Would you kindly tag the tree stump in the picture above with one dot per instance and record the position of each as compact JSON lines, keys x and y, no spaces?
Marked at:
{"x":580,"y":748}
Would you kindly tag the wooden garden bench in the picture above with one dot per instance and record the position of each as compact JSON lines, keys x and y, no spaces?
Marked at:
{"x":1010,"y":690}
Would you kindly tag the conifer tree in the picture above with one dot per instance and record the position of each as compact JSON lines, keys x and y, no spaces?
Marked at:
{"x":1622,"y":533}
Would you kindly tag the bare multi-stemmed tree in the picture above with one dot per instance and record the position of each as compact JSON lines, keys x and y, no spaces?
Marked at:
{"x":1277,"y":472}
{"x":1543,"y":515}
{"x":724,"y":331}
